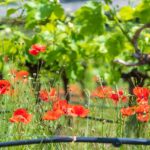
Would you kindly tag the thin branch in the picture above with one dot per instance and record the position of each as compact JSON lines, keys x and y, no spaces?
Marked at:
{"x":120,"y":27}
{"x":122,"y":62}
{"x":12,"y":21}
{"x":21,"y":14}
{"x":143,"y":59}
{"x":136,"y":36}
{"x":123,"y":30}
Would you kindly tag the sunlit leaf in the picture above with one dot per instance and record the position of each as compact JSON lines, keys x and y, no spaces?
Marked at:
{"x":11,"y":11}
{"x":142,"y":11}
{"x":126,"y":13}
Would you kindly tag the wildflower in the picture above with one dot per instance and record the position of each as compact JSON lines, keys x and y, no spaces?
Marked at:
{"x":142,"y":101}
{"x":61,"y":105}
{"x":120,"y":92}
{"x":46,"y":96}
{"x":124,"y":99}
{"x":21,"y":115}
{"x":102,"y":92}
{"x":119,"y":95}
{"x":21,"y":75}
{"x":36,"y":49}
{"x":39,"y":47}
{"x":77,"y":111}
{"x":141,"y":92}
{"x":53,"y":115}
{"x":142,"y":95}
{"x":4,"y":86}
{"x":143,"y":117}
{"x":128,"y":111}
{"x":52,"y":92}
{"x":71,"y":110}
{"x":115,"y":97}
{"x":142,"y":109}
{"x":33,"y":52}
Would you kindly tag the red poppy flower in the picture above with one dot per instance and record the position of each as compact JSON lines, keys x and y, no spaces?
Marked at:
{"x":119,"y":95}
{"x":115,"y":97}
{"x":52,"y":92}
{"x":77,"y":111}
{"x":53,"y":115}
{"x":4,"y":86}
{"x":142,"y":109}
{"x":124,"y":99}
{"x":21,"y":115}
{"x":141,"y":92}
{"x":36,"y":49}
{"x":142,"y":101}
{"x":143,"y":117}
{"x":39,"y":47}
{"x":127,"y":111}
{"x":20,"y":75}
{"x":102,"y":92}
{"x":46,"y":96}
{"x":61,"y":105}
{"x":33,"y":52}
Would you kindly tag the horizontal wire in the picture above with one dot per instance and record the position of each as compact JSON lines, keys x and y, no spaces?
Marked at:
{"x":117,"y":142}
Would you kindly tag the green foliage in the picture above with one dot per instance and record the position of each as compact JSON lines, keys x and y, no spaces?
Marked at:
{"x":80,"y":45}
{"x":6,"y":2}
{"x":86,"y":40}
{"x":115,"y":44}
{"x":11,"y":11}
{"x":41,"y":13}
{"x":142,"y":11}
{"x":90,"y":19}
{"x":126,"y":13}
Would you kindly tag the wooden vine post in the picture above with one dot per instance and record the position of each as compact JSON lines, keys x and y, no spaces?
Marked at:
{"x":34,"y":71}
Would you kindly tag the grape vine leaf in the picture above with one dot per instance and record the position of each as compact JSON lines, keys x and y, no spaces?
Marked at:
{"x":90,"y":19}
